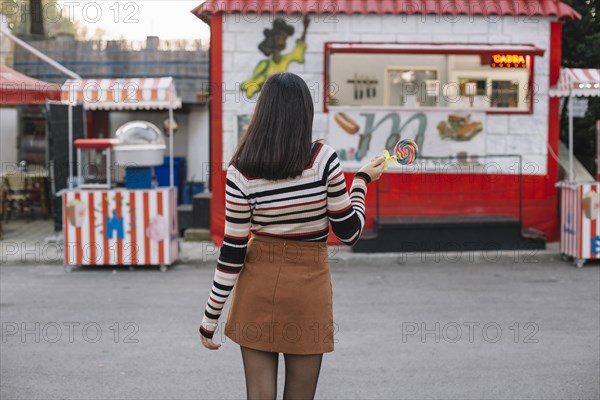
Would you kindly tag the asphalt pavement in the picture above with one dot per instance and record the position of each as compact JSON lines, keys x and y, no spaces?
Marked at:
{"x":427,"y":326}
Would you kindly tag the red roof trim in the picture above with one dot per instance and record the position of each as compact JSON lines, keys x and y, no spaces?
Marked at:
{"x":434,"y":48}
{"x":394,"y":7}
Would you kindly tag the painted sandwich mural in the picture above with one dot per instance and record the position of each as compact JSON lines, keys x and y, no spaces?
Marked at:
{"x":459,"y":127}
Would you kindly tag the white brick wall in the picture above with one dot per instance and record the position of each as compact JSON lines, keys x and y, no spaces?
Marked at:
{"x":497,"y":124}
{"x":398,"y":24}
{"x":526,"y":135}
{"x":364,"y":23}
{"x":495,"y":144}
{"x":535,"y":145}
{"x":227,"y":62}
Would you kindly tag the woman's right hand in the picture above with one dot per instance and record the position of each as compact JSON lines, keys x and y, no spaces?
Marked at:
{"x":374,"y":168}
{"x":208,"y":342}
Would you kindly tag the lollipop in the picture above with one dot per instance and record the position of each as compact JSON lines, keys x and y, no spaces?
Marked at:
{"x":406,"y":152}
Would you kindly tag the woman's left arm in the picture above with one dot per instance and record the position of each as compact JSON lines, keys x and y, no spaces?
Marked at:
{"x":232,"y":253}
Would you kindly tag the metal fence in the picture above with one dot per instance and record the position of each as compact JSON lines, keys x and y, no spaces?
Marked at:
{"x":490,"y":185}
{"x":187,"y":61}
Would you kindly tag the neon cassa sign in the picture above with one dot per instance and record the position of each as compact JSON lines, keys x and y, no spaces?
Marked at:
{"x":508,"y":61}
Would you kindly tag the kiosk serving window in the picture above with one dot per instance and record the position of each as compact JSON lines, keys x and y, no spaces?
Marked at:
{"x":487,"y":77}
{"x":402,"y":86}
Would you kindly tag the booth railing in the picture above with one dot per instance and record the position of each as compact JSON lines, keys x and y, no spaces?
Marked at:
{"x":482,"y":187}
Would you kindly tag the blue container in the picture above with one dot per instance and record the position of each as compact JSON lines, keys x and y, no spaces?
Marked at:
{"x":138,"y":177}
{"x":190,"y":189}
{"x":179,"y":173}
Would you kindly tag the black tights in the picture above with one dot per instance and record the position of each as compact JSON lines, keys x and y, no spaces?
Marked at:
{"x":301,"y":374}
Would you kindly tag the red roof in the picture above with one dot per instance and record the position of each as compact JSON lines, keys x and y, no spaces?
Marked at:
{"x":394,"y":7}
{"x":16,"y":88}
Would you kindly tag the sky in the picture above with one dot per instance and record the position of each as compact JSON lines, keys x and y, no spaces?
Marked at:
{"x":134,"y":20}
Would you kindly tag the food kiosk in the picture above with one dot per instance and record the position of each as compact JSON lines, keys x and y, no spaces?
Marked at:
{"x":579,"y":201}
{"x":467,"y":80}
{"x":131,"y":225}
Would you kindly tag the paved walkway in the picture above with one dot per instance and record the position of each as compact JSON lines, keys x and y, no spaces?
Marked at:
{"x":412,"y":328}
{"x":36,"y":243}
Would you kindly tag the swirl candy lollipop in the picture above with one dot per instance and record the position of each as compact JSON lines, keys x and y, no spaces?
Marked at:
{"x":406,"y":152}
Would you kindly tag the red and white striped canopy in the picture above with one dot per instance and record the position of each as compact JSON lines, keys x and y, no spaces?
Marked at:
{"x":577,"y":82}
{"x":122,"y":94}
{"x":16,"y":88}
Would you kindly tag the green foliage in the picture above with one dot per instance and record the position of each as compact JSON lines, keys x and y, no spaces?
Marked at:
{"x":581,"y":38}
{"x":20,"y":16}
{"x":581,"y":49}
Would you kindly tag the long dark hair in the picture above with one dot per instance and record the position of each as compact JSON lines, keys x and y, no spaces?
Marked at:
{"x":277,"y":143}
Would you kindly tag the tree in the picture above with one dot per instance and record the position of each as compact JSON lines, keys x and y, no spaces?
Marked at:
{"x":581,"y":39}
{"x":22,"y":17}
{"x":36,"y":25}
{"x":581,"y":49}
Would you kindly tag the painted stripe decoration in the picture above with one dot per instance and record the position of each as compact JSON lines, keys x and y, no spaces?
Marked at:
{"x":121,"y":93}
{"x":159,"y":207}
{"x":67,"y":250}
{"x":133,"y":229}
{"x":105,"y":247}
{"x":117,"y":227}
{"x":581,"y":81}
{"x":580,"y":220}
{"x":78,"y":249}
{"x":92,"y":228}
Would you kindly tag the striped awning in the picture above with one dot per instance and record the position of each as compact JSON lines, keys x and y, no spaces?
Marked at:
{"x":577,"y":82}
{"x":16,"y":88}
{"x":529,"y":8}
{"x":122,"y":94}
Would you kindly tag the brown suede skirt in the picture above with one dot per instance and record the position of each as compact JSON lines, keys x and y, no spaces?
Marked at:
{"x":283,"y":298}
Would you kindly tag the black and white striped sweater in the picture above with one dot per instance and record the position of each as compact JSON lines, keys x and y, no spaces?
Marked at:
{"x":296,"y":209}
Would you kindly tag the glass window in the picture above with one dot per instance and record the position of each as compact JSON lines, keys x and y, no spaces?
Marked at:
{"x":404,"y":87}
{"x":460,"y":81}
{"x":505,"y":93}
{"x":477,"y":84}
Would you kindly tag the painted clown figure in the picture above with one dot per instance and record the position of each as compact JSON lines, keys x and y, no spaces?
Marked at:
{"x":274,"y":43}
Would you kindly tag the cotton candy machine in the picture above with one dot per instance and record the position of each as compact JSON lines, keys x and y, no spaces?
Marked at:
{"x":140,"y":144}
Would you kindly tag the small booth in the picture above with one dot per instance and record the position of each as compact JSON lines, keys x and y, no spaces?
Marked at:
{"x":23,"y":138}
{"x":131,"y":225}
{"x":579,"y":201}
{"x":457,"y":77}
{"x":22,"y":123}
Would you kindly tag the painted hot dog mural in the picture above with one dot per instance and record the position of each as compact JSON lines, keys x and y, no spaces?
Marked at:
{"x":348,"y":124}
